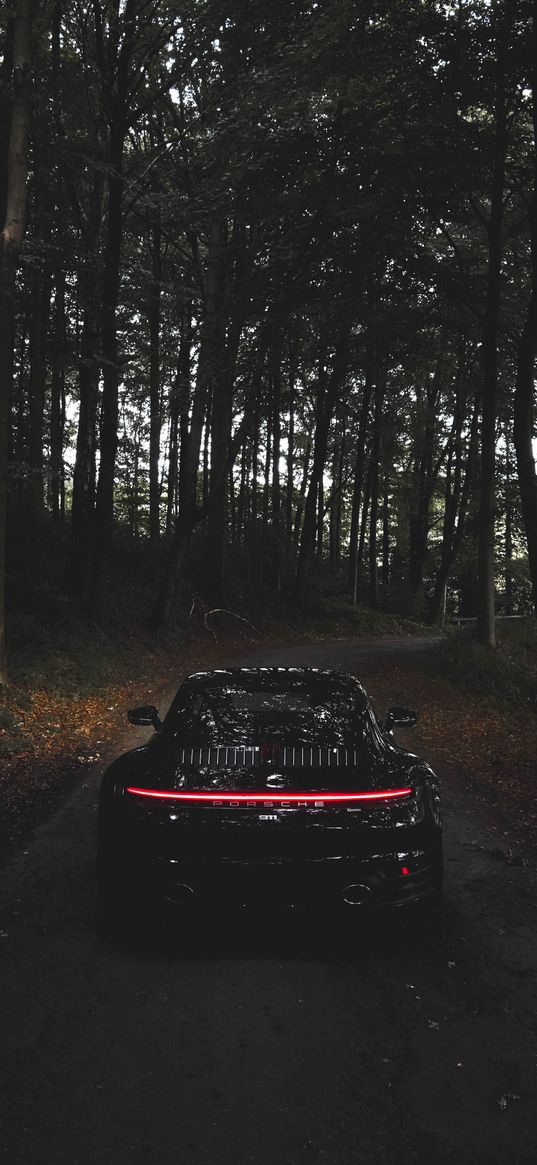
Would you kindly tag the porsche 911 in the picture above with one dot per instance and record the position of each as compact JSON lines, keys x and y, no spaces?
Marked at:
{"x":269,"y":786}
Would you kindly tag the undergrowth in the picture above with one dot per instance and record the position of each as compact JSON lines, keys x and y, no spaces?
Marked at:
{"x":53,"y":650}
{"x":507,"y":677}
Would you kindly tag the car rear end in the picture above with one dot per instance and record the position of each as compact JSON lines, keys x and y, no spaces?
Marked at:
{"x":318,"y":845}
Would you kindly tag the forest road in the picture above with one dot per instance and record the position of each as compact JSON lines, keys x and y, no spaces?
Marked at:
{"x":271,"y":1042}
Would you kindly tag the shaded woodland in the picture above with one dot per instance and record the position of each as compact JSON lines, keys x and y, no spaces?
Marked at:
{"x":268,"y":281}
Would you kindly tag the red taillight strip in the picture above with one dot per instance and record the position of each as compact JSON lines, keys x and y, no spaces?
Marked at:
{"x":268,"y":796}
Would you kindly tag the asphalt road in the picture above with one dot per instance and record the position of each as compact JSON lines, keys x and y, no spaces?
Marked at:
{"x":266,"y":1040}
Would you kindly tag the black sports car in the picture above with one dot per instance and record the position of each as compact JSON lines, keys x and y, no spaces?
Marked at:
{"x":269,"y":785}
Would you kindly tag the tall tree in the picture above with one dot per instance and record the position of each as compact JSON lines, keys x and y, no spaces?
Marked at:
{"x":486,"y":627}
{"x":126,"y":41}
{"x":11,"y":239}
{"x":328,"y":389}
{"x":154,"y":314}
{"x":524,"y":405}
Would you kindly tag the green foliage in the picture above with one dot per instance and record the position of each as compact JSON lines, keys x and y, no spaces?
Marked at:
{"x":52,"y":647}
{"x":337,"y":617}
{"x":506,"y":677}
{"x":519,"y":638}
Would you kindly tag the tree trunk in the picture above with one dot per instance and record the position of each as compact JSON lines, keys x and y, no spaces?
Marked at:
{"x":266,"y":472}
{"x":375,"y":465}
{"x":11,"y":239}
{"x":83,"y":500}
{"x":522,"y":435}
{"x":508,"y":593}
{"x":173,"y":455}
{"x":276,"y":441}
{"x":456,"y":512}
{"x":319,"y":539}
{"x":134,"y":486}
{"x":326,"y":402}
{"x":104,"y":503}
{"x":486,"y":630}
{"x":18,"y":436}
{"x":125,"y":44}
{"x":189,"y":511}
{"x":6,"y":99}
{"x":363,"y":526}
{"x":179,"y":405}
{"x":222,"y":367}
{"x":290,"y":454}
{"x":424,"y":481}
{"x":302,"y":495}
{"x":523,"y":430}
{"x":154,"y":380}
{"x":232,"y":508}
{"x":224,"y":292}
{"x":7,"y":292}
{"x":359,"y":467}
{"x":57,"y":401}
{"x":205,"y":482}
{"x":334,"y":540}
{"x":83,"y":497}
{"x":525,"y":376}
{"x":385,"y":540}
{"x":38,"y":337}
{"x":241,"y":503}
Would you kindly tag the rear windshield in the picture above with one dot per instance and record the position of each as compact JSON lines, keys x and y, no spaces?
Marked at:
{"x":239,"y":713}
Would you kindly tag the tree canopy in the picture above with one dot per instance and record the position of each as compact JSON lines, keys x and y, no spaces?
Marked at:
{"x":271,"y":299}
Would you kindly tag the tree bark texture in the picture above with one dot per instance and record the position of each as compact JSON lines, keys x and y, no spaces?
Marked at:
{"x":104,"y":502}
{"x":459,"y":489}
{"x":359,"y":468}
{"x":326,"y":403}
{"x":424,"y":481}
{"x":486,"y":629}
{"x":373,"y":515}
{"x":276,"y":382}
{"x":226,"y":260}
{"x":84,"y":472}
{"x":191,"y":436}
{"x":40,"y":299}
{"x":524,"y":408}
{"x":57,"y":402}
{"x":154,"y":379}
{"x":11,"y":239}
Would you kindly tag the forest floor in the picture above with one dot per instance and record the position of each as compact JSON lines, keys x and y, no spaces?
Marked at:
{"x":50,"y":733}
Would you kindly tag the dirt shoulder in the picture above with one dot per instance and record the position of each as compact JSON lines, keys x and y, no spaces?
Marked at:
{"x":62,"y":735}
{"x":491,"y":755}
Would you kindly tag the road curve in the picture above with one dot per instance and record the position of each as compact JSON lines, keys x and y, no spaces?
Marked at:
{"x":267,"y":1041}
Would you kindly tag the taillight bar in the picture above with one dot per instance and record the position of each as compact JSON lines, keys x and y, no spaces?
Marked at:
{"x":267,"y":797}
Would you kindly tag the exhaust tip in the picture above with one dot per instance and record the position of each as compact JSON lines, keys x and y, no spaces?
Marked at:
{"x":356,"y":894}
{"x":179,"y":894}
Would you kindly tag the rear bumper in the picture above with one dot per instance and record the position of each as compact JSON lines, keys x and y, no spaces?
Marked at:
{"x":375,"y":882}
{"x":378,"y":860}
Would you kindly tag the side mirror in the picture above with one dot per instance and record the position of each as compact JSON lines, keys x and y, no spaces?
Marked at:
{"x":145,"y":715}
{"x":399,"y":718}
